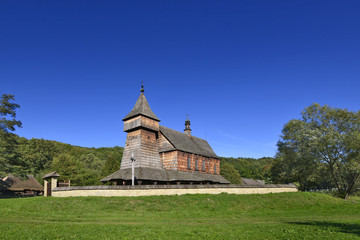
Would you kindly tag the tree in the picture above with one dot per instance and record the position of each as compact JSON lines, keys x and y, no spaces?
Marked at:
{"x":251,"y":167}
{"x":230,"y":173}
{"x":91,"y":161}
{"x":37,"y":154}
{"x":68,"y":168}
{"x":327,"y":138}
{"x":112,"y":164}
{"x":9,"y":157}
{"x":8,"y":120}
{"x":10,"y":160}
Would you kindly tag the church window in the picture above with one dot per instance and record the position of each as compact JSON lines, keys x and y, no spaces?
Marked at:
{"x":196,"y":165}
{"x":215,"y":169}
{"x":203,"y":166}
{"x":188,"y":163}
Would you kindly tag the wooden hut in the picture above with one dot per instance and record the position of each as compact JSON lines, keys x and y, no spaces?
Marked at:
{"x":12,"y":185}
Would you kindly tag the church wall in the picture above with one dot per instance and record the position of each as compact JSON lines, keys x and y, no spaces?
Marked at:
{"x":143,"y":144}
{"x":149,"y":150}
{"x":169,"y":160}
{"x":132,"y":145}
{"x":182,"y":158}
{"x":163,"y":143}
{"x":141,"y":121}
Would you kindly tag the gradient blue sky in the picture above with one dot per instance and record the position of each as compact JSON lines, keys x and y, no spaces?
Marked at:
{"x":241,"y":69}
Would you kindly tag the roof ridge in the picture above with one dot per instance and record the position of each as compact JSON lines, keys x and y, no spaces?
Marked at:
{"x":191,"y":136}
{"x":186,"y":143}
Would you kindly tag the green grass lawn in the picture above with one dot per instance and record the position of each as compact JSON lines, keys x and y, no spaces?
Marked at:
{"x":271,"y":216}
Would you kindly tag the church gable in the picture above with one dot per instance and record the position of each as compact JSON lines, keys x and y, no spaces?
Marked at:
{"x":164,"y":144}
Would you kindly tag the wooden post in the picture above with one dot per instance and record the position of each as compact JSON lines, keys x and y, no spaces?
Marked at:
{"x":132,"y":169}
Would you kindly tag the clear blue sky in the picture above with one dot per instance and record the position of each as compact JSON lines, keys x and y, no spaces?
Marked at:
{"x":241,"y":69}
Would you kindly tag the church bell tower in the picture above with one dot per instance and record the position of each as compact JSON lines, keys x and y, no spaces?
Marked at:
{"x":142,"y":127}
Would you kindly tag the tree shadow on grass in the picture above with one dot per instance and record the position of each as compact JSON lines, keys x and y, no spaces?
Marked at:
{"x":351,"y":228}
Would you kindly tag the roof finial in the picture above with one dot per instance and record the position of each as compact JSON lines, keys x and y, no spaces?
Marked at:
{"x":187,"y":126}
{"x":142,"y":86}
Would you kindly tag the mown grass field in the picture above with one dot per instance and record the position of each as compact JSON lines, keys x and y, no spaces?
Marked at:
{"x":272,"y":216}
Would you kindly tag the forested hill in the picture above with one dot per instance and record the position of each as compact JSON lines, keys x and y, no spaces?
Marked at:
{"x":86,"y":166}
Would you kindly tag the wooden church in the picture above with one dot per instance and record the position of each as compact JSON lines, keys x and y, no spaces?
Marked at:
{"x":162,"y":155}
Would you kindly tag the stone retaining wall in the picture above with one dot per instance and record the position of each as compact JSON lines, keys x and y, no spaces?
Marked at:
{"x":156,"y":190}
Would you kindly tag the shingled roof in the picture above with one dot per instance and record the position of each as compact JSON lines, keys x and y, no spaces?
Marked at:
{"x":164,"y":175}
{"x":251,"y":182}
{"x":141,"y":108}
{"x":186,"y":143}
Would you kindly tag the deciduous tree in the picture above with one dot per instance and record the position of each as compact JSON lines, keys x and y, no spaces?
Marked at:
{"x":230,"y":173}
{"x":324,"y":137}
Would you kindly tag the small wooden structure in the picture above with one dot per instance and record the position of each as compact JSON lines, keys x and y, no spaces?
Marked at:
{"x":50,"y":182}
{"x":12,"y":185}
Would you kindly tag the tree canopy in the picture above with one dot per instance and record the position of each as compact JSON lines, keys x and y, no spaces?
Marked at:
{"x":9,"y":159}
{"x":8,"y":120}
{"x":323,"y":146}
{"x":83,"y":166}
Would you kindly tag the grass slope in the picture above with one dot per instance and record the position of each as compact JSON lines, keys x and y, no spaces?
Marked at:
{"x":272,"y":216}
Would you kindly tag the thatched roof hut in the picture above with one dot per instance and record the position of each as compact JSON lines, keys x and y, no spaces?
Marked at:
{"x":16,"y":184}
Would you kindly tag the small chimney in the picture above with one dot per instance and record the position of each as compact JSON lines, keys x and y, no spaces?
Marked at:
{"x":187,"y":130}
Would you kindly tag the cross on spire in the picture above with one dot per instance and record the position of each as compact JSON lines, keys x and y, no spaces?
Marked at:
{"x":142,"y":86}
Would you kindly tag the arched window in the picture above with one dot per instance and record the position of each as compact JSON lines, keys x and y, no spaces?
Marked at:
{"x":196,"y":164}
{"x":203,"y":166}
{"x":188,"y":163}
{"x":215,"y":169}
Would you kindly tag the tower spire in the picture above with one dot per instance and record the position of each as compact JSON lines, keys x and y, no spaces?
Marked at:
{"x":141,"y":108}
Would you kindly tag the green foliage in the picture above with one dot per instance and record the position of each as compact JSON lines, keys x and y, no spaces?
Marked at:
{"x":224,"y":216}
{"x":37,"y":154}
{"x":251,"y":167}
{"x":91,"y":161}
{"x":83,"y":166}
{"x":10,"y":160}
{"x":111,"y":165}
{"x":68,"y":167}
{"x":230,"y":173}
{"x":8,"y":120}
{"x":324,"y":144}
